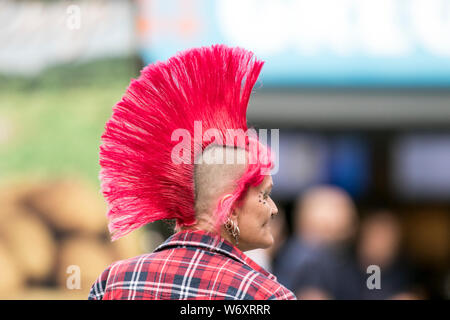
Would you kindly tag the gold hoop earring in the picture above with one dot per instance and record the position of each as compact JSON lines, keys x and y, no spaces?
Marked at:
{"x":233,"y":229}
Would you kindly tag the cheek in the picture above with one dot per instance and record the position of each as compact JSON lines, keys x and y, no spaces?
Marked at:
{"x":255,"y":213}
{"x":251,"y":220}
{"x":263,"y":208}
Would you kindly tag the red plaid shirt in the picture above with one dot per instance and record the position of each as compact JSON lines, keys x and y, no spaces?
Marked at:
{"x":189,"y":265}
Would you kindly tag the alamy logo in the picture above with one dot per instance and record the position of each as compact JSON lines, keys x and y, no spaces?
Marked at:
{"x":255,"y":142}
{"x":74,"y":17}
{"x":374,"y":280}
{"x":74,"y":280}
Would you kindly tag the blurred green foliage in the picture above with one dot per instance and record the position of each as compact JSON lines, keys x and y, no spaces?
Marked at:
{"x":51,"y":124}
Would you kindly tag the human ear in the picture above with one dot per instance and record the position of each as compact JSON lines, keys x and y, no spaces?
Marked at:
{"x":234,"y":213}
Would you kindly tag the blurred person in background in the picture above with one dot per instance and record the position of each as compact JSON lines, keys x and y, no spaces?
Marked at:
{"x":316,"y":261}
{"x":379,"y":244}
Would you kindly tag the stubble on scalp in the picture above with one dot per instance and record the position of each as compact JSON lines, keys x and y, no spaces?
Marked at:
{"x":217,"y":174}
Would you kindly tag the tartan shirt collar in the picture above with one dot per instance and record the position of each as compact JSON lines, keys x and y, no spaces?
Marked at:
{"x":212,"y":242}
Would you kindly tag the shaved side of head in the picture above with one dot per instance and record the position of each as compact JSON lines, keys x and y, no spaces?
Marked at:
{"x":215,"y":175}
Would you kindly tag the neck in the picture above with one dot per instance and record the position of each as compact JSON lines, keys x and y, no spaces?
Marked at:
{"x":208,"y":226}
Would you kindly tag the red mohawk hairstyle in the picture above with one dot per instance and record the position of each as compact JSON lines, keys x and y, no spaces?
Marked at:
{"x":139,"y":180}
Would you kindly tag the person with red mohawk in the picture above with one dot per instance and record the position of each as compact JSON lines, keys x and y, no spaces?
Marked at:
{"x":216,"y":186}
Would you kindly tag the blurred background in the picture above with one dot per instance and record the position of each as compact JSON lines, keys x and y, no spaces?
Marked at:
{"x":359,"y":89}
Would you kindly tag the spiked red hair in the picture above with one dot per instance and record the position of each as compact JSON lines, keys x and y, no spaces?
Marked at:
{"x":139,"y":180}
